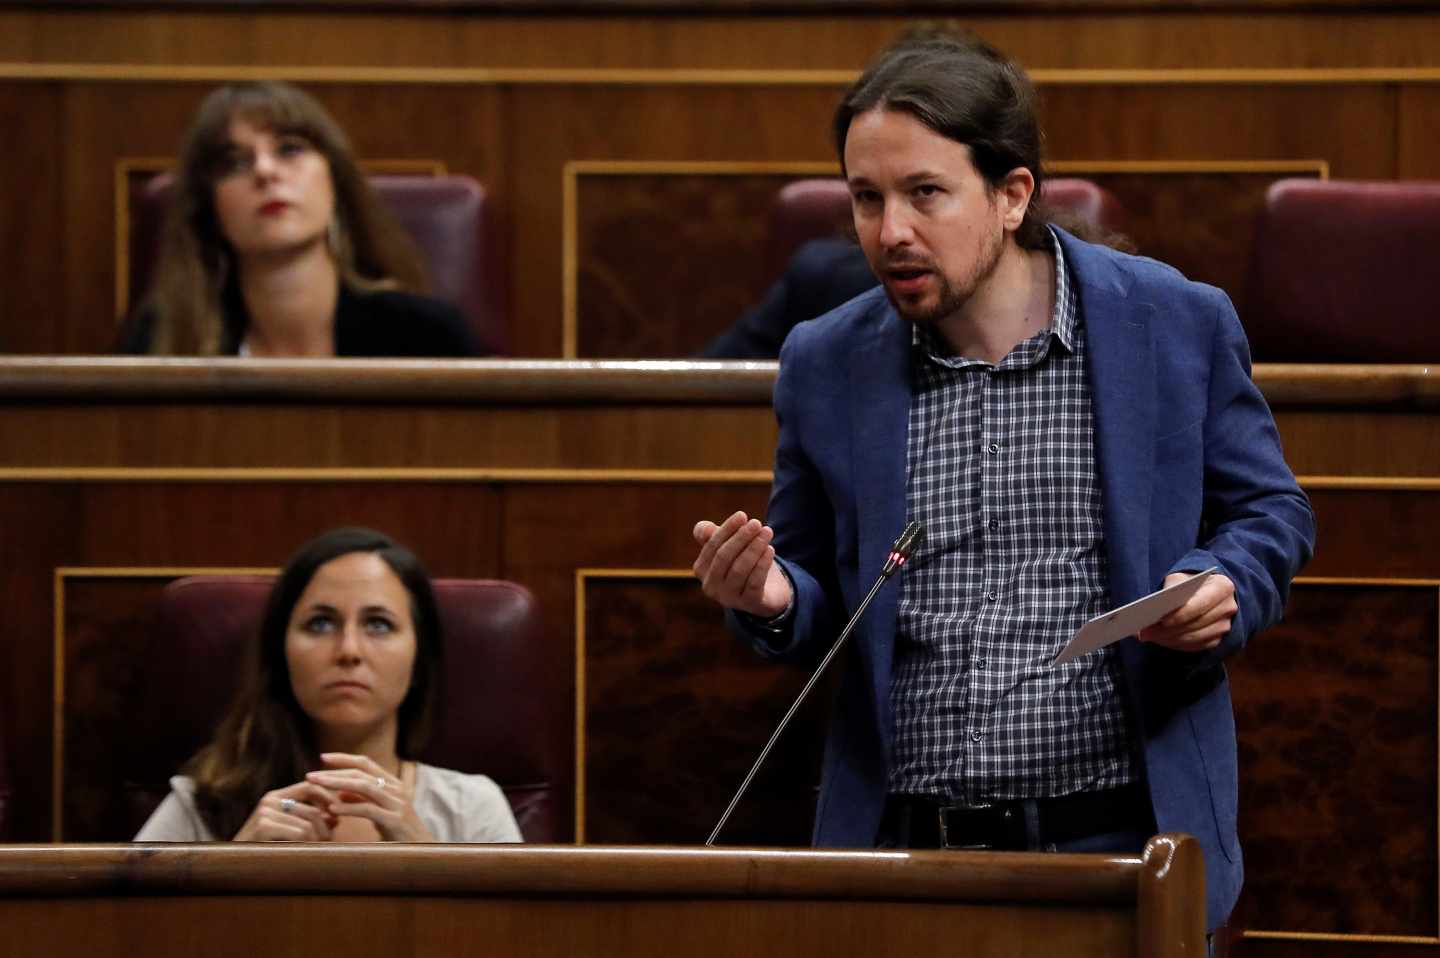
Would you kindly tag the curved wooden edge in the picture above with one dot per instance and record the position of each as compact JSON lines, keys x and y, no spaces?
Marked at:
{"x":563,"y":870}
{"x":794,"y":7}
{"x":540,"y":381}
{"x":1171,"y":894}
{"x":388,"y":380}
{"x":1324,"y":384}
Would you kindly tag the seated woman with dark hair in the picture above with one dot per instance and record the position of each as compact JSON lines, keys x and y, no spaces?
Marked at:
{"x":336,"y":700}
{"x":275,"y":245}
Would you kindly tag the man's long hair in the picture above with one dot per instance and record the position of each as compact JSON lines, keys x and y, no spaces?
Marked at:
{"x":967,"y":91}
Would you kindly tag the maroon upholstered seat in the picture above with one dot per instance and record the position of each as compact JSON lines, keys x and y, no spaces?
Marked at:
{"x":500,"y":711}
{"x":816,"y":208}
{"x":448,"y":217}
{"x":1342,"y":272}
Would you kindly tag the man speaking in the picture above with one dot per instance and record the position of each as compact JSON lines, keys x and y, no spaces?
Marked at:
{"x":1074,"y":428}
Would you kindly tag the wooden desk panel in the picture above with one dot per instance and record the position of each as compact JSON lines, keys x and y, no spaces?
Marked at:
{"x":451,"y":900}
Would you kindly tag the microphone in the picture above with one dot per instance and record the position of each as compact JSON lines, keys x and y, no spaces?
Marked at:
{"x":900,"y":553}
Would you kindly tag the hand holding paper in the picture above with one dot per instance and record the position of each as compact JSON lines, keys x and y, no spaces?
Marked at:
{"x":1146,"y":612}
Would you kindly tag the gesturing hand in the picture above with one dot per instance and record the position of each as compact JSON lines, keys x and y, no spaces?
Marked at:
{"x":1201,"y":622}
{"x":365,"y":790}
{"x":737,"y":566}
{"x":295,"y":813}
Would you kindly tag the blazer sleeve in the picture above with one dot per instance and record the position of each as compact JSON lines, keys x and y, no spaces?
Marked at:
{"x":1258,"y":526}
{"x":802,"y":516}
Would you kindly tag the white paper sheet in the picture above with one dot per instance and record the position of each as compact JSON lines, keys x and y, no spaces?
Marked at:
{"x":1130,"y":619}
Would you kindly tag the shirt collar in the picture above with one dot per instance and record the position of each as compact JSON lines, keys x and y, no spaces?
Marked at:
{"x":1063,"y":318}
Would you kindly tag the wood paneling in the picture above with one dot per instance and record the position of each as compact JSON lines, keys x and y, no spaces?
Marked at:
{"x":658,"y":657}
{"x":1328,"y":442}
{"x":1337,"y":729}
{"x":42,"y":526}
{"x":105,"y":631}
{"x":443,"y":900}
{"x":834,"y":40}
{"x":667,"y":262}
{"x":1387,"y":534}
{"x":558,"y":124}
{"x":31,"y":281}
{"x":1419,"y":119}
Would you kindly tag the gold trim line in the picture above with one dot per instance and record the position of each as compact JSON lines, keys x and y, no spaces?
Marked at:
{"x":495,"y":475}
{"x":1339,"y":937}
{"x":213,"y":73}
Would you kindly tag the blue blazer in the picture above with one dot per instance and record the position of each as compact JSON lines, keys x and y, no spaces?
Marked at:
{"x":1191,"y":474}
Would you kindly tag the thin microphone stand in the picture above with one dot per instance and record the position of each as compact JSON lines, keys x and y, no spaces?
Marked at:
{"x":900,"y":553}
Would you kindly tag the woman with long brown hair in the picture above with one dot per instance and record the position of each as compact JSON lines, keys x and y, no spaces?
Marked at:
{"x":336,"y":701}
{"x":275,"y":245}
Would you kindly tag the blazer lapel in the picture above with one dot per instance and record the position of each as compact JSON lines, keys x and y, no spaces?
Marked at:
{"x":1122,"y":388}
{"x":880,"y":391}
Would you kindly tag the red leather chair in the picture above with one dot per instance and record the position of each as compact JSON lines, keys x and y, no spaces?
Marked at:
{"x":816,"y":208}
{"x":448,"y":217}
{"x":1343,"y":272}
{"x":501,"y":708}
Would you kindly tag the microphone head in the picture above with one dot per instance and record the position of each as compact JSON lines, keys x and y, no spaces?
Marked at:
{"x":910,"y":538}
{"x":904,"y":547}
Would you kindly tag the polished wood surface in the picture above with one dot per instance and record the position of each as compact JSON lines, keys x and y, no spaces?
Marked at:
{"x":441,"y":900}
{"x":1137,"y":39}
{"x":914,"y":7}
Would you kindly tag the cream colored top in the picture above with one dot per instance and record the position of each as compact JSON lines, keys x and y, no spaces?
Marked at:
{"x":455,"y":807}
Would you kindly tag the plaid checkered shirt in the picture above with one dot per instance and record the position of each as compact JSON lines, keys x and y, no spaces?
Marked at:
{"x":1002,"y":472}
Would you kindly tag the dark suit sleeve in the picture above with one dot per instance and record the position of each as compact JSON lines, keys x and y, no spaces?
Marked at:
{"x":135,"y":333}
{"x":820,"y":276}
{"x":803,"y":519}
{"x":395,"y":324}
{"x":1258,"y":525}
{"x":442,"y":331}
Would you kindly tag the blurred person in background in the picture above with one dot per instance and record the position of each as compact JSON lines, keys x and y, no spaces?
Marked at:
{"x":275,"y":245}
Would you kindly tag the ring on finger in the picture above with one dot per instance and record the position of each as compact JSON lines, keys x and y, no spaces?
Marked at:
{"x":287,"y":805}
{"x":380,"y":782}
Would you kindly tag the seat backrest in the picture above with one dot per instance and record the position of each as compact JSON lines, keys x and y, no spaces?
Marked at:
{"x":449,"y":217}
{"x":501,"y":710}
{"x":1343,"y":271}
{"x":810,"y":209}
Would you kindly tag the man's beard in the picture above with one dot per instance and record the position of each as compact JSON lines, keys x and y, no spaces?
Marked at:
{"x":952,"y":296}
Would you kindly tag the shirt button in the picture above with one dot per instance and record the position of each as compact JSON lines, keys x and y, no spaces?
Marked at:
{"x":994,"y":448}
{"x":980,"y":664}
{"x":994,"y":524}
{"x":992,"y":595}
{"x":975,"y":736}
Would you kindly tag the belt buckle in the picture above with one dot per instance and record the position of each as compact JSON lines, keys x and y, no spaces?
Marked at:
{"x":944,"y":814}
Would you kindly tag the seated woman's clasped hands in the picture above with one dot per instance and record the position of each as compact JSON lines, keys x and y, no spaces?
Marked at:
{"x":353,"y":800}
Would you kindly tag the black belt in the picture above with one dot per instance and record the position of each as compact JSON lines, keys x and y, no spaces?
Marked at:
{"x":925,"y":823}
